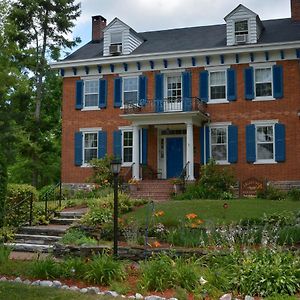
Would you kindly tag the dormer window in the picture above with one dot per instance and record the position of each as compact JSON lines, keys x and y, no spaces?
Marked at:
{"x":241,"y":32}
{"x":115,"y":47}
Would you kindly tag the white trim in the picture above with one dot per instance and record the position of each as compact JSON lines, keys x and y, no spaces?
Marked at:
{"x":263,"y":65}
{"x":218,"y":101}
{"x":90,"y":108}
{"x":125,"y":128}
{"x":261,"y":99}
{"x":219,"y":162}
{"x":131,"y":74}
{"x":174,"y":54}
{"x":84,"y":132}
{"x":92,"y":129}
{"x":85,"y":94}
{"x":264,"y":122}
{"x":217,"y":70}
{"x":123,"y":90}
{"x":265,"y":162}
{"x":90,"y":77}
{"x":215,"y":124}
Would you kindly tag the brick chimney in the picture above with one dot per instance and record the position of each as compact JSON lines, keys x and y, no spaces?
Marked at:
{"x":98,"y":24}
{"x":295,"y":10}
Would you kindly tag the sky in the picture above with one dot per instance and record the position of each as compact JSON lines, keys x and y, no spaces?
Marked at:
{"x":148,"y":15}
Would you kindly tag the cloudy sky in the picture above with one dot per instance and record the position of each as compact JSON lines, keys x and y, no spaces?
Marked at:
{"x":147,"y":15}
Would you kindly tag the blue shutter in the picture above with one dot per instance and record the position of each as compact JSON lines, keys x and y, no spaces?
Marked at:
{"x":142,"y":90}
{"x":187,"y":91}
{"x":102,"y":93}
{"x":279,"y":142}
{"x":250,"y":143}
{"x":144,"y":146}
{"x":249,"y":83}
{"x":118,"y":92}
{"x":159,"y":92}
{"x":232,"y":144}
{"x":203,"y":86}
{"x":79,"y":94}
{"x":231,"y":85}
{"x":202,"y":144}
{"x":78,"y":148}
{"x":207,"y":143}
{"x":117,"y":144}
{"x":277,"y":81}
{"x":102,"y":144}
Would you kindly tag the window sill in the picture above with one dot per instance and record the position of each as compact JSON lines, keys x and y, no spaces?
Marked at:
{"x":220,"y":101}
{"x":265,"y":162}
{"x":85,"y":166}
{"x":130,"y":106}
{"x":263,"y":99}
{"x":90,"y":108}
{"x":126,"y":165}
{"x":223,"y":163}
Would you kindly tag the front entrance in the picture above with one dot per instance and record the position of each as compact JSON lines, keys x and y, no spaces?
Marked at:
{"x":174,"y":156}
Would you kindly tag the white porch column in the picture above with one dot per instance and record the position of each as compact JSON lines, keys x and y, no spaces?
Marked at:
{"x":190,"y":151}
{"x":135,"y":153}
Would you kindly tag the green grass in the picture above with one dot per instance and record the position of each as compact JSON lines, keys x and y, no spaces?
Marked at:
{"x":213,"y":211}
{"x":15,"y":291}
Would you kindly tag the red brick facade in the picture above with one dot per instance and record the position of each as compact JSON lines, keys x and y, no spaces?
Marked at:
{"x":240,"y":113}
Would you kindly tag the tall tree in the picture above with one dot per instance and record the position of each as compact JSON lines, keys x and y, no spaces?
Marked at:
{"x":42,"y":32}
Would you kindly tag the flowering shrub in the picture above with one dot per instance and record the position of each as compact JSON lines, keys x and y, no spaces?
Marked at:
{"x":102,"y":174}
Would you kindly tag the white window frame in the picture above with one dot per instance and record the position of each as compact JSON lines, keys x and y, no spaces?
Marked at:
{"x":126,"y":129}
{"x":123,"y":90}
{"x":265,"y":124}
{"x":85,"y":79}
{"x":213,"y":70}
{"x":263,"y":66}
{"x":216,"y":126}
{"x":241,"y":32}
{"x":180,"y":104}
{"x":116,"y":32}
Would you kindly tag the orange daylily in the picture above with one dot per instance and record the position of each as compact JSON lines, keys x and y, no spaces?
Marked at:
{"x":200,"y":221}
{"x":159,"y":213}
{"x":156,"y":244}
{"x":191,"y":216}
{"x":193,"y":225}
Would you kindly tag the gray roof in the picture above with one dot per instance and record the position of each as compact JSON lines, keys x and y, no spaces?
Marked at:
{"x":202,"y":37}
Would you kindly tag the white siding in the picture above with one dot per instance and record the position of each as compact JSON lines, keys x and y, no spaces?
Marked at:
{"x":254,"y":28}
{"x":129,"y":41}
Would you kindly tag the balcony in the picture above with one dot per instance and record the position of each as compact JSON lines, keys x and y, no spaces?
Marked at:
{"x":165,"y":106}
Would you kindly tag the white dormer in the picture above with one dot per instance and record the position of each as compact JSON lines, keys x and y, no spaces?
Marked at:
{"x":243,"y":26}
{"x":119,"y":39}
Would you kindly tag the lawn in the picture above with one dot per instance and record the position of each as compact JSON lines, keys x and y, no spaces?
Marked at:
{"x":16,"y":291}
{"x":212,"y":211}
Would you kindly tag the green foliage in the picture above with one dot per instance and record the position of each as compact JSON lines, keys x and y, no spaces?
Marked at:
{"x":77,"y":237}
{"x":46,"y":268}
{"x":271,"y":193}
{"x":294,"y":194}
{"x":102,"y":174}
{"x":215,"y":183}
{"x":18,"y":203}
{"x":104,"y":269}
{"x":266,"y":272}
{"x":73,"y":267}
{"x":4,"y":254}
{"x":6,"y":234}
{"x":3,"y":187}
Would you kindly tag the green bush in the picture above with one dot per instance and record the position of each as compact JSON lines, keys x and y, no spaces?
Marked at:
{"x":266,"y":272}
{"x":3,"y":188}
{"x":18,"y":203}
{"x":77,"y":237}
{"x":73,"y":267}
{"x":46,"y":268}
{"x":271,"y":193}
{"x":102,"y":174}
{"x":215,"y":183}
{"x":294,"y":194}
{"x":6,"y":234}
{"x":4,"y":254}
{"x":104,"y":269}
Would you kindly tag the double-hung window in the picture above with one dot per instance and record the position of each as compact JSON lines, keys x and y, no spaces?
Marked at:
{"x":173,"y":93}
{"x":130,"y":90}
{"x":90,"y":146}
{"x":241,"y":31}
{"x":219,"y":143}
{"x":91,"y":90}
{"x":217,"y":83}
{"x":263,"y":82}
{"x":127,"y":149}
{"x":265,"y":142}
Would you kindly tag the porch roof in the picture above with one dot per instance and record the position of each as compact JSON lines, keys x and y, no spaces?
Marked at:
{"x":195,"y":117}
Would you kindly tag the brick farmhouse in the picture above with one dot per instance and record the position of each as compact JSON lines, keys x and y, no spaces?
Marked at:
{"x":172,"y":99}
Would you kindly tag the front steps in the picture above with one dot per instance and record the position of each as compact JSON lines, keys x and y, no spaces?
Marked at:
{"x":41,"y":238}
{"x":156,"y":190}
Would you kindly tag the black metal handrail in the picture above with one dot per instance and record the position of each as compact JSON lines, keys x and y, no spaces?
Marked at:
{"x":166,"y":105}
{"x":183,"y":175}
{"x":50,"y":196}
{"x":125,"y":178}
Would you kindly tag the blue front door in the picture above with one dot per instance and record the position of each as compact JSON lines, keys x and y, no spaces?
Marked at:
{"x":174,"y":157}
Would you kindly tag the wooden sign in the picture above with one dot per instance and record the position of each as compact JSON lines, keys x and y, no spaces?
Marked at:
{"x":250,"y":186}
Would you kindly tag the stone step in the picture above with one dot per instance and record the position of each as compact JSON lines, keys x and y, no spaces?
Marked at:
{"x":46,"y":230}
{"x":64,"y":221}
{"x":23,"y":247}
{"x":70,"y":214}
{"x":36,"y":239}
